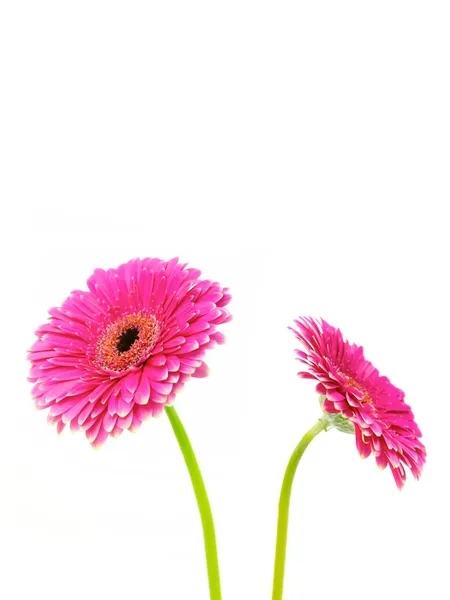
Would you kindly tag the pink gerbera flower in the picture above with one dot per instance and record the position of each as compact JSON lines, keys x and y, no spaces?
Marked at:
{"x":383,"y":423}
{"x":115,"y":355}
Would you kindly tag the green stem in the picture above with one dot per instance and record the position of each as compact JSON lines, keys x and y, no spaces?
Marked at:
{"x":209,"y":534}
{"x":283,"y":507}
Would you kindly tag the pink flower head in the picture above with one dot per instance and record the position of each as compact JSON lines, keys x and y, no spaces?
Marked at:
{"x":384,"y":424}
{"x":115,"y":355}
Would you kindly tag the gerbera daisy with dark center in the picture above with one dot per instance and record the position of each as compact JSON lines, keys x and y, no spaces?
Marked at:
{"x":115,"y":355}
{"x":352,"y":387}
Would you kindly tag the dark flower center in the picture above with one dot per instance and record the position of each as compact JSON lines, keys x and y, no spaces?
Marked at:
{"x":127,"y":339}
{"x":126,"y":342}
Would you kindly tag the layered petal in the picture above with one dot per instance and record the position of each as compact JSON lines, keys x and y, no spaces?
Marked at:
{"x":384,"y":424}
{"x":113,"y":356}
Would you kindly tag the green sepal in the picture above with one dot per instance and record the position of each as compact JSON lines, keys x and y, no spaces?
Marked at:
{"x":336,"y":420}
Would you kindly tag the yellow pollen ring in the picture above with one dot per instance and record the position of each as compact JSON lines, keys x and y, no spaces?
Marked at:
{"x":353,"y":383}
{"x":145,"y":328}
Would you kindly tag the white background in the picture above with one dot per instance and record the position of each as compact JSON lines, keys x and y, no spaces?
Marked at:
{"x":297,"y":152}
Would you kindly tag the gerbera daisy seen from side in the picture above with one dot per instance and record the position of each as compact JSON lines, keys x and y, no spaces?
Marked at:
{"x":355,"y":398}
{"x":113,"y":356}
{"x":352,"y":387}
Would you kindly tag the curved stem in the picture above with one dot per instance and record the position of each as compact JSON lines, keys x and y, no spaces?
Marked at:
{"x":209,"y":534}
{"x":283,"y":507}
